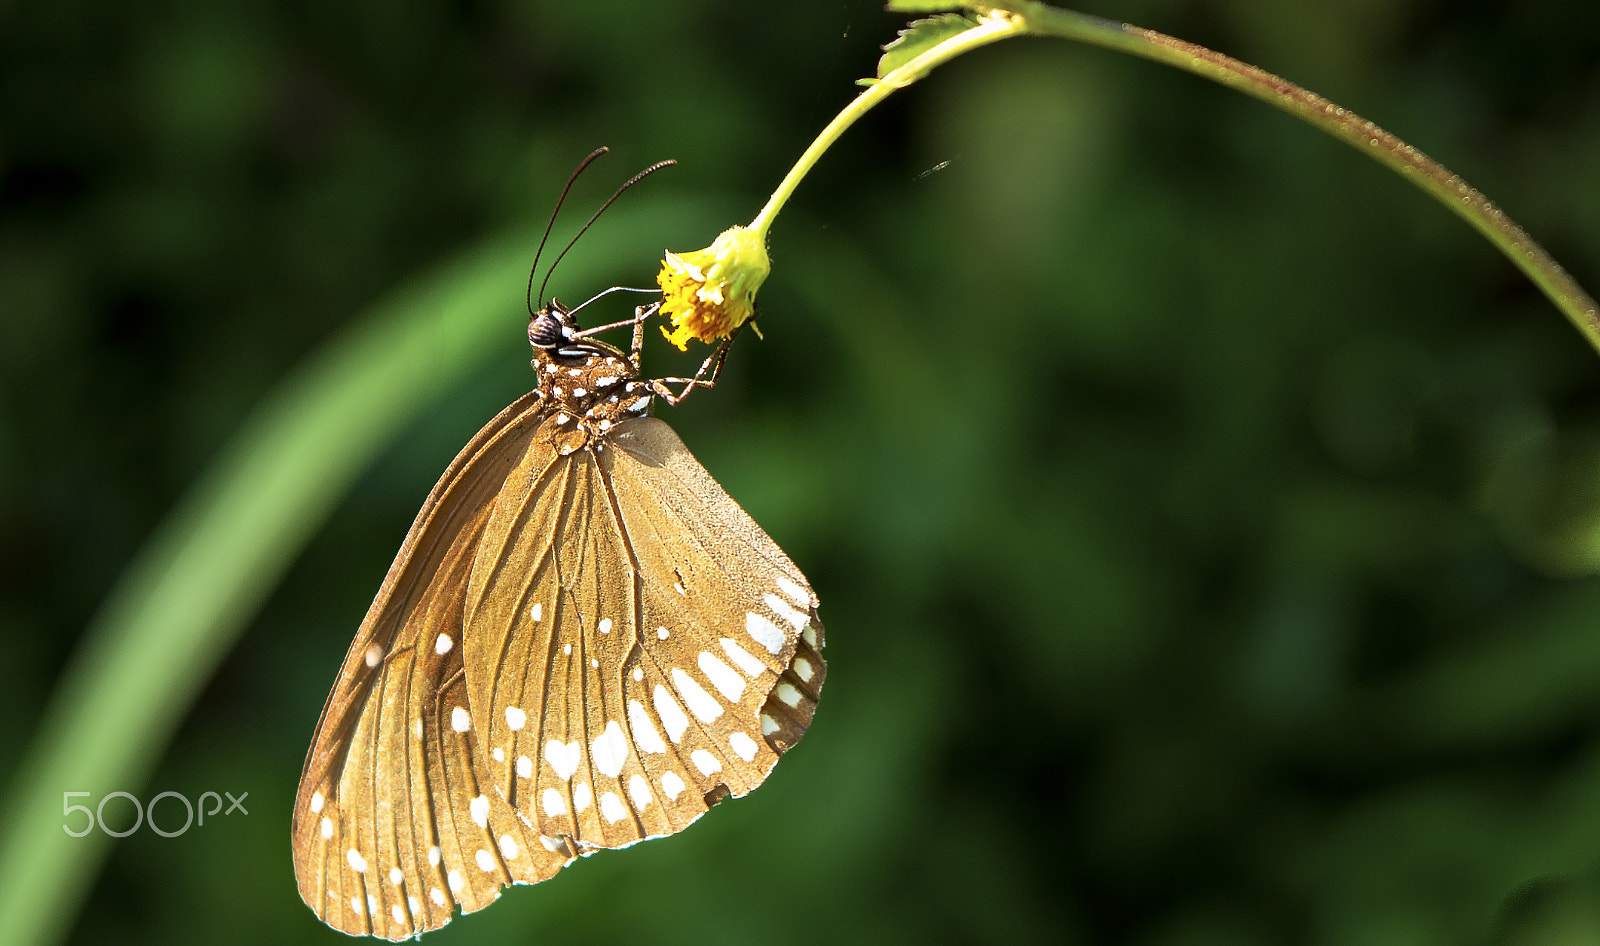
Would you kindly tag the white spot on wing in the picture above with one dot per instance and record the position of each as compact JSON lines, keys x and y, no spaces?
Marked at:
{"x":456,"y":881}
{"x":433,"y":856}
{"x":581,"y":796}
{"x":327,"y":828}
{"x":671,"y":716}
{"x":515,"y":718}
{"x":746,"y":661}
{"x":804,"y":670}
{"x":357,"y":862}
{"x":480,"y":811}
{"x":436,"y":895}
{"x":396,"y":875}
{"x":536,"y":612}
{"x":705,"y":762}
{"x":524,"y":766}
{"x":638,"y":674}
{"x":795,"y":592}
{"x":768,"y":725}
{"x":809,"y":635}
{"x":781,"y":608}
{"x":645,"y":736}
{"x":702,"y":704}
{"x":398,"y":914}
{"x":374,"y":655}
{"x":605,"y":625}
{"x":639,"y":791}
{"x":459,"y":720}
{"x":788,"y":694}
{"x":728,"y":683}
{"x":554,"y":805}
{"x":485,"y":860}
{"x":508,"y":847}
{"x":763,"y":632}
{"x":672,"y":785}
{"x":499,"y":754}
{"x":612,"y":808}
{"x":610,"y":750}
{"x":563,"y":757}
{"x":743,"y":746}
{"x":316,"y":803}
{"x":442,"y":644}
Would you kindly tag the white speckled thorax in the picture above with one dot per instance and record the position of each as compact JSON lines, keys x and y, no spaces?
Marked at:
{"x":587,"y":388}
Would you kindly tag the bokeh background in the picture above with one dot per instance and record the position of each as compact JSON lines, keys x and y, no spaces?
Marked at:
{"x":1203,"y":517}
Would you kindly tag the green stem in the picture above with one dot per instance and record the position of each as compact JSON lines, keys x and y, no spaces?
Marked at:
{"x":1343,"y":124}
{"x":1001,"y":19}
{"x":991,"y":30}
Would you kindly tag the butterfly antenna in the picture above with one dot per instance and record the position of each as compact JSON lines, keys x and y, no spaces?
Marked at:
{"x":626,"y":184}
{"x":547,"y":227}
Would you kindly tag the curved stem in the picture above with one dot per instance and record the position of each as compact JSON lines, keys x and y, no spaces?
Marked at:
{"x":1449,"y":189}
{"x":991,"y":29}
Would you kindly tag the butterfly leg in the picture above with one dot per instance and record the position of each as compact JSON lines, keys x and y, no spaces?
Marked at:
{"x":640,"y":315}
{"x":706,"y":377}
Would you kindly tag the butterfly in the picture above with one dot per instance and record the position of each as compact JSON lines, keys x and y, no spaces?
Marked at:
{"x":583,"y":643}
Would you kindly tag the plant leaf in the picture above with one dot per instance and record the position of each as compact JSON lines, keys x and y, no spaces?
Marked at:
{"x":920,"y":36}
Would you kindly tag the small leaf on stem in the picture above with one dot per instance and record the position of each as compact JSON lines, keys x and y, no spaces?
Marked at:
{"x":920,"y":36}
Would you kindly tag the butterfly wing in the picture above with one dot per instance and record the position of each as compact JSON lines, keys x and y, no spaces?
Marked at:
{"x":394,"y":820}
{"x":640,"y":651}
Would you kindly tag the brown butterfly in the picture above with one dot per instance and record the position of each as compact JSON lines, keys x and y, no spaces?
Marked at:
{"x":583,"y":643}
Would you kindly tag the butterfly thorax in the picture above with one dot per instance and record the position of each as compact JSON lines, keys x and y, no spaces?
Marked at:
{"x":586,"y":388}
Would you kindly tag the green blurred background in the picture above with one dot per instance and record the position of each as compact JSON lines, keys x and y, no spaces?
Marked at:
{"x":1202,"y":516}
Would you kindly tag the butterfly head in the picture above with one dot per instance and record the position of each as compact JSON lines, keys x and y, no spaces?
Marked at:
{"x":551,"y":326}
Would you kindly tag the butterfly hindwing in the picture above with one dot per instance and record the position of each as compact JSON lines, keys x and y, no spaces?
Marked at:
{"x":750,"y":604}
{"x":609,"y":642}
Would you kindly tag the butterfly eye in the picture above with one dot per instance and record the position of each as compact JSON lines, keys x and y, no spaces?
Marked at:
{"x":545,"y":331}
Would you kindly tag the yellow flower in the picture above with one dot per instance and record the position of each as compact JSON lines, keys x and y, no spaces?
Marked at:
{"x":711,"y":292}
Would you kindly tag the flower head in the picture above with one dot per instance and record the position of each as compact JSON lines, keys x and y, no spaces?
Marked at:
{"x":709,"y":293}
